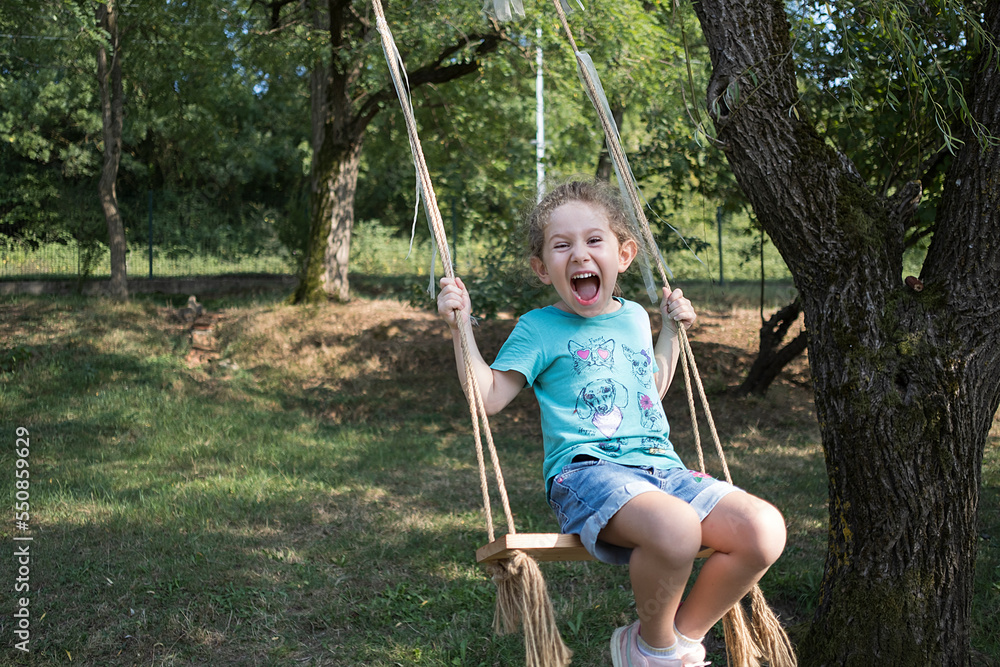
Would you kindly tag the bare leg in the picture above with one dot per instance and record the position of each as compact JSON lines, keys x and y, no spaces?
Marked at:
{"x":665,"y":536}
{"x":748,"y":535}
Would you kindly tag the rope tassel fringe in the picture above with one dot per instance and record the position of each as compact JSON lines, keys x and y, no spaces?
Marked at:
{"x":771,"y":637}
{"x":748,"y":642}
{"x":522,"y":597}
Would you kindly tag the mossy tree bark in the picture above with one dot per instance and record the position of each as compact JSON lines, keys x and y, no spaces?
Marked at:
{"x":340,"y":118}
{"x":331,"y":206}
{"x":109,"y":76}
{"x":906,"y":383}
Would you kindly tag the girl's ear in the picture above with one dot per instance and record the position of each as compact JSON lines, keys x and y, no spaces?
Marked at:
{"x":538,"y":266}
{"x":626,"y":253}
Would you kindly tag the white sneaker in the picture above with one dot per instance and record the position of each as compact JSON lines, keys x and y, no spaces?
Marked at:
{"x":625,"y":652}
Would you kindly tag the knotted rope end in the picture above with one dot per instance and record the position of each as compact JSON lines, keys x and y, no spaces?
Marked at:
{"x":522,"y":598}
{"x":747,"y":642}
{"x":771,"y":637}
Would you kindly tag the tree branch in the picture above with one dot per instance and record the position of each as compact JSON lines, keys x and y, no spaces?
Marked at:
{"x":969,"y":212}
{"x":433,"y":72}
{"x":905,"y":201}
{"x":770,"y":360}
{"x":274,"y":7}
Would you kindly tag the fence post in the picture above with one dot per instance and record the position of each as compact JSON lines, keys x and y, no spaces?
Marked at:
{"x":718,"y":223}
{"x":150,"y":233}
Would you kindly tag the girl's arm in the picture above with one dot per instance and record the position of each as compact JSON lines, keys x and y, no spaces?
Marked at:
{"x":676,"y":311}
{"x":497,"y":387}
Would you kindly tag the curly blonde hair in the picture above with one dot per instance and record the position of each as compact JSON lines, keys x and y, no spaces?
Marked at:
{"x":596,"y":193}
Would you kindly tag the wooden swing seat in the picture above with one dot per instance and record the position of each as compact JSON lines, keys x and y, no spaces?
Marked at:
{"x":542,"y":547}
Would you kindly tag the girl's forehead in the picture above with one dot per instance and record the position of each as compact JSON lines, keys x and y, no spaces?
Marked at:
{"x":576,"y":214}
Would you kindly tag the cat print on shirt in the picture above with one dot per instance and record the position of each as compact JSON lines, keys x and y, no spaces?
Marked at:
{"x":596,"y":354}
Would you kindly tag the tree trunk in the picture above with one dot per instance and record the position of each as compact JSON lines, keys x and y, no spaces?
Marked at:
{"x":770,"y":360}
{"x":112,"y":106}
{"x":906,"y":383}
{"x":342,"y":111}
{"x":331,"y":205}
{"x":336,"y":144}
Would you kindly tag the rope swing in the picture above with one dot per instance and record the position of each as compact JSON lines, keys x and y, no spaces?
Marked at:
{"x":522,"y":597}
{"x":763,"y":636}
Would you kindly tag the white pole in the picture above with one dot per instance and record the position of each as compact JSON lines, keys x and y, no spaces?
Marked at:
{"x":539,"y":118}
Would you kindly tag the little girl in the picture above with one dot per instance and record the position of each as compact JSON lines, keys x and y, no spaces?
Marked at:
{"x":611,"y":474}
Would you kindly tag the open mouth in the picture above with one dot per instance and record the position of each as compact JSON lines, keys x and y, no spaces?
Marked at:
{"x":586,"y":287}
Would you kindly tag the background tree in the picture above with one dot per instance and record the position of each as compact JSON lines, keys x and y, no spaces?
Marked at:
{"x":218,"y":131}
{"x":210,"y":122}
{"x":109,"y":80}
{"x":906,"y":382}
{"x":50,"y":124}
{"x":354,"y":88}
{"x":679,"y":166}
{"x":840,"y":80}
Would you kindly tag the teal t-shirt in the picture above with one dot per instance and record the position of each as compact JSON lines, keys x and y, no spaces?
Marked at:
{"x":593,"y":378}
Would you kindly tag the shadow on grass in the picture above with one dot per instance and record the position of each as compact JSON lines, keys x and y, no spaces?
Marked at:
{"x":259,"y":515}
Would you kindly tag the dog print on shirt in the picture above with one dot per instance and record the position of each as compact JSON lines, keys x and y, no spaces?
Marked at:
{"x":651,"y":413}
{"x":600,"y":402}
{"x":642,"y":363}
{"x":654,"y":421}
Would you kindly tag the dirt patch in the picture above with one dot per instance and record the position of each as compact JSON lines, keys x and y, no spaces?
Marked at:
{"x":384,"y":354}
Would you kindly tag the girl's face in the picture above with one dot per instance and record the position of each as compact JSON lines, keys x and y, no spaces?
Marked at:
{"x":581,"y":258}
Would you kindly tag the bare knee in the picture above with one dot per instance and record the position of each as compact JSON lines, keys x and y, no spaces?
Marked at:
{"x":747,"y":527}
{"x":766,"y":534}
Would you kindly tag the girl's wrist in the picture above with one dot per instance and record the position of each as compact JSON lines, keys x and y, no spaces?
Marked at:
{"x":460,"y":320}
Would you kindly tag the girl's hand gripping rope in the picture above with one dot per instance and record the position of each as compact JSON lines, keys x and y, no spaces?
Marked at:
{"x":675,"y":309}
{"x":454,"y":305}
{"x":498,"y":388}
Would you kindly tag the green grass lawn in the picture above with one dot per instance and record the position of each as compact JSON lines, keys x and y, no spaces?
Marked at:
{"x":314,"y":500}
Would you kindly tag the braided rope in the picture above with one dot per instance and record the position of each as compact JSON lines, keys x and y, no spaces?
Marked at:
{"x":521,"y":591}
{"x":744,"y":644}
{"x":629,"y":187}
{"x":477,"y":408}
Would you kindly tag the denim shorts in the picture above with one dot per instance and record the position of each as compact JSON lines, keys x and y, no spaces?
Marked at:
{"x":586,"y":494}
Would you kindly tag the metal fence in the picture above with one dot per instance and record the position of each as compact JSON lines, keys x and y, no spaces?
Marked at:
{"x":169,"y":234}
{"x":68,"y":259}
